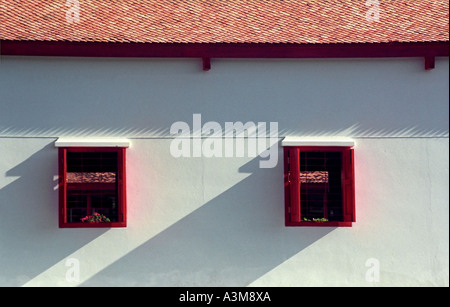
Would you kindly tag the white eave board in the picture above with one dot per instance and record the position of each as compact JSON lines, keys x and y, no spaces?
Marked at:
{"x":92,"y":142}
{"x":298,"y":141}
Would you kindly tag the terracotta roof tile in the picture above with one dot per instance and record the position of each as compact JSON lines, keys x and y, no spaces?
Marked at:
{"x":226,"y":21}
{"x":314,"y":177}
{"x":91,"y":177}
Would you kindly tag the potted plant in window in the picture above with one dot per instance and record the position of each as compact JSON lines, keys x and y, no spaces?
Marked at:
{"x":95,"y":218}
{"x":317,"y":220}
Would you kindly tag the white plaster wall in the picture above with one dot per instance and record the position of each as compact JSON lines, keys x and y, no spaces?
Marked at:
{"x":220,"y":221}
{"x":54,"y":97}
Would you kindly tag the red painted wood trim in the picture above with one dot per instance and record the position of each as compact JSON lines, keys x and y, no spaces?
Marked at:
{"x":63,"y":187}
{"x":91,"y":186}
{"x":206,"y":64}
{"x":287,"y":188}
{"x":294,"y":157}
{"x":92,"y":149}
{"x":122,"y":186}
{"x":322,"y":148}
{"x":94,"y":225}
{"x":320,"y":224}
{"x":348,"y":170}
{"x":352,"y":186}
{"x":218,"y":50}
{"x":292,"y":196}
{"x":429,"y":62}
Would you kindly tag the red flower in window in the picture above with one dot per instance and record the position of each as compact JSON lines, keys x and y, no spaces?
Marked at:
{"x":95,"y":218}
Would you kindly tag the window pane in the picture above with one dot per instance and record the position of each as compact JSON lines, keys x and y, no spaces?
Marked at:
{"x":81,"y":203}
{"x":76,"y":206}
{"x":320,"y":185}
{"x":91,"y":162}
{"x":105,"y":204}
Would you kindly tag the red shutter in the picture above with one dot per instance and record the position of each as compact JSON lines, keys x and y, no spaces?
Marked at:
{"x":348,"y":165}
{"x":119,"y":188}
{"x":122,"y":185}
{"x":287,"y":187}
{"x":294,"y":178}
{"x":62,"y":184}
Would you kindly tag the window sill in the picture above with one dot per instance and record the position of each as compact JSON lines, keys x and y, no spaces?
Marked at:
{"x":319,"y":224}
{"x":94,"y":225}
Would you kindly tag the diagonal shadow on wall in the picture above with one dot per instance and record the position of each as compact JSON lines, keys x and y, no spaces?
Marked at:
{"x":231,"y":240}
{"x":30,"y":240}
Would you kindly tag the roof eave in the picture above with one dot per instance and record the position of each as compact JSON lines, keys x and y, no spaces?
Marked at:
{"x":427,"y":50}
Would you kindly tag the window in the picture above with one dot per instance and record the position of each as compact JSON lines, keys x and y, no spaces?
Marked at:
{"x":319,"y":183}
{"x":91,"y":186}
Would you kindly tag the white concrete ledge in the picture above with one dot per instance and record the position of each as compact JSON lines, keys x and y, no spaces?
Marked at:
{"x":92,"y":142}
{"x":298,"y":141}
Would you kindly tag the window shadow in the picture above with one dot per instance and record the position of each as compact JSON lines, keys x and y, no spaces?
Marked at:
{"x":231,"y":240}
{"x":30,"y":240}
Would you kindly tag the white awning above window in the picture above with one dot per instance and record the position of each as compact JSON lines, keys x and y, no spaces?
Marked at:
{"x":92,"y":142}
{"x":299,"y":141}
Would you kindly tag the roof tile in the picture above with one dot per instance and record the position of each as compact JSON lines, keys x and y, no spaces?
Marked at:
{"x":226,"y":21}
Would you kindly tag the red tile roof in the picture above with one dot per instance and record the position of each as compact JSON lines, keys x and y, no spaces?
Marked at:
{"x":314,"y":177}
{"x":226,"y":21}
{"x":91,"y":177}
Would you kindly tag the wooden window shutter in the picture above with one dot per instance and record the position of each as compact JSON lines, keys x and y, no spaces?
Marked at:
{"x":348,"y":170}
{"x":294,"y":179}
{"x":122,"y":185}
{"x":62,"y":184}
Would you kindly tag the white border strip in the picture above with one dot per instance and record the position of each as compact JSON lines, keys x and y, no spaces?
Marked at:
{"x":94,"y":142}
{"x":297,"y":141}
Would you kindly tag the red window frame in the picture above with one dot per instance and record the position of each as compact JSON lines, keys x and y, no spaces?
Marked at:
{"x":120,"y":182}
{"x":292,"y":190}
